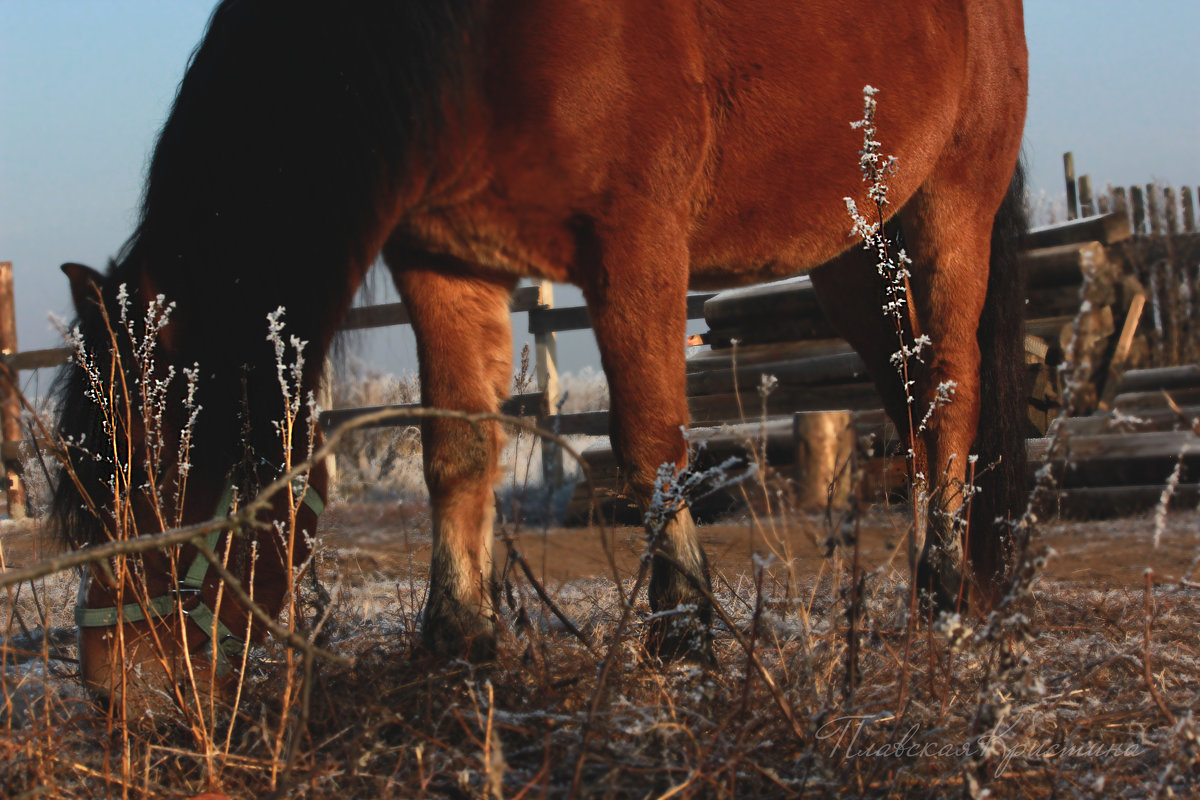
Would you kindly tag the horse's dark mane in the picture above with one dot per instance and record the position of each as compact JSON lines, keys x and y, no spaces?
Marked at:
{"x":294,"y":120}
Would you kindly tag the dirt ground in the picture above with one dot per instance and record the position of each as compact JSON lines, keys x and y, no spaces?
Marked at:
{"x":384,"y":540}
{"x":367,"y":541}
{"x":395,"y":716}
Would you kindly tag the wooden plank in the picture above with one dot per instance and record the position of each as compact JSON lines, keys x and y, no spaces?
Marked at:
{"x":1048,"y":328}
{"x":1158,"y":378}
{"x":379,"y":316}
{"x":788,"y":311}
{"x":1067,"y":265}
{"x":1069,"y":178}
{"x":816,"y":371}
{"x":768,"y":330}
{"x":580,"y":423}
{"x":1138,"y":199}
{"x":1099,"y":502}
{"x":10,"y":402}
{"x":1107,"y":229}
{"x":1087,"y":207}
{"x":1189,"y":210}
{"x":1116,"y":366}
{"x":1121,"y":459}
{"x":547,"y":320}
{"x":1171,"y":210}
{"x":1154,"y":419}
{"x":36,"y":359}
{"x":1136,"y":402}
{"x":713,"y":445}
{"x":523,"y":405}
{"x":782,"y":311}
{"x":575,"y":318}
{"x":1154,"y":209}
{"x":750,"y":355}
{"x":385,"y":314}
{"x":1120,"y":202}
{"x":794,"y":297}
{"x":546,"y":367}
{"x":1121,"y":447}
{"x":783,"y":402}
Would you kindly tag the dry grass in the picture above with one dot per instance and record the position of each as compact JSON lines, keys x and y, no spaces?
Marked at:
{"x":826,"y":687}
{"x":1071,"y":690}
{"x":1051,"y":698}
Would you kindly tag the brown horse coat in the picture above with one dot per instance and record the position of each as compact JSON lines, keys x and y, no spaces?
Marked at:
{"x":636,"y":149}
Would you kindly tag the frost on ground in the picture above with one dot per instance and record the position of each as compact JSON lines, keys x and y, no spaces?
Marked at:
{"x":1050,"y":697}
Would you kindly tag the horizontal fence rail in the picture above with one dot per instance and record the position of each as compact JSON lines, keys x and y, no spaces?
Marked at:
{"x":1106,"y":217}
{"x":544,"y":321}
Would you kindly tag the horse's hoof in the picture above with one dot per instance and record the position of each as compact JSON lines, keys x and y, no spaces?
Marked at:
{"x":941,"y":588}
{"x":681,"y":638}
{"x":448,"y":636}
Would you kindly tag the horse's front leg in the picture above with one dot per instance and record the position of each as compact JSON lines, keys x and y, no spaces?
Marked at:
{"x":950,"y":248}
{"x":638,"y":312}
{"x":464,"y":346}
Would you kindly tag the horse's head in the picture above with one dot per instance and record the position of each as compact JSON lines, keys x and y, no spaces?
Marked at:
{"x":141,"y":459}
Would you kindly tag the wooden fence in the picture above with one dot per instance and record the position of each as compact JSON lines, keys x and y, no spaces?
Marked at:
{"x":1145,"y":213}
{"x":544,"y":321}
{"x":1153,"y":209}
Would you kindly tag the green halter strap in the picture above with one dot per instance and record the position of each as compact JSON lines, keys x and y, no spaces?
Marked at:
{"x":230,"y":647}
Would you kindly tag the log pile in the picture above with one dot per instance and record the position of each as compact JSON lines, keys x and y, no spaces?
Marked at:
{"x":779,"y":330}
{"x":1120,"y":460}
{"x":1082,"y":318}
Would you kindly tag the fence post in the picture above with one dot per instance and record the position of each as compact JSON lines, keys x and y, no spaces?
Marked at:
{"x":1172,"y":213}
{"x":1153,"y":210}
{"x":1139,"y":210}
{"x":1120,"y":202}
{"x":1189,"y":211}
{"x":824,"y":442}
{"x":10,"y":405}
{"x":546,"y":365}
{"x":1086,"y":207}
{"x":325,"y":402}
{"x":1069,"y":175}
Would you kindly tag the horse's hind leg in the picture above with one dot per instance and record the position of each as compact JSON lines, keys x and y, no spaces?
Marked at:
{"x":948,"y":234}
{"x":639,"y":317}
{"x":853,"y":296}
{"x":464,"y":345}
{"x":949,"y":280}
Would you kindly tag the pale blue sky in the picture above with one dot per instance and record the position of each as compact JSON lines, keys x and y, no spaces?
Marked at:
{"x":85,"y":85}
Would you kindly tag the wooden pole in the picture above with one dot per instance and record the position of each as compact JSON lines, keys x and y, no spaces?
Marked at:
{"x":1086,"y":207}
{"x":1153,"y":209}
{"x":546,"y":366}
{"x":1172,"y":212}
{"x":1069,"y":175}
{"x":1139,"y":210}
{"x":325,"y":401}
{"x":1120,"y":203}
{"x":1189,"y":211}
{"x":824,"y":442}
{"x":10,"y":405}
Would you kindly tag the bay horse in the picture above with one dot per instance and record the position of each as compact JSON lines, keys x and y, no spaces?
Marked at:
{"x":636,"y":149}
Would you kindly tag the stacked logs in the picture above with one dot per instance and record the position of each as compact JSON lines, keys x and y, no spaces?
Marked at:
{"x":1078,"y":298}
{"x":1122,"y":459}
{"x":1082,"y":317}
